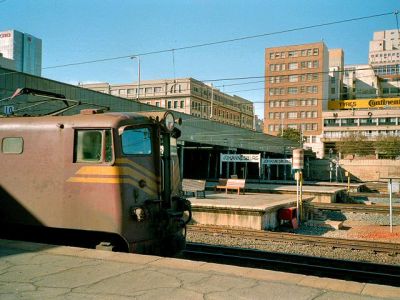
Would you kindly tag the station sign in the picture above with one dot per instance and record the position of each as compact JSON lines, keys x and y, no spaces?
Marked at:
{"x":240,"y":158}
{"x":364,"y":103}
{"x":276,"y":161}
{"x":8,"y":110}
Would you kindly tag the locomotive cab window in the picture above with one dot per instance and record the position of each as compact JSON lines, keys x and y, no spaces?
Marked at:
{"x":93,"y":146}
{"x":136,"y":141}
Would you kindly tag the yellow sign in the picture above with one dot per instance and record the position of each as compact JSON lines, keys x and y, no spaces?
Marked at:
{"x":364,"y":103}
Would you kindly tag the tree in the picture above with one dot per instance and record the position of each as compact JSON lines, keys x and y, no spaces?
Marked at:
{"x":355,"y":144}
{"x":388,"y":146}
{"x":291,"y":134}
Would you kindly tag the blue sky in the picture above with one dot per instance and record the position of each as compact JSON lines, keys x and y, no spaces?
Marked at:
{"x":83,"y":30}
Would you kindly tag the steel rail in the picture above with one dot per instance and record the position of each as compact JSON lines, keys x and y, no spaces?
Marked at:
{"x":374,"y":208}
{"x":317,"y":266}
{"x":386,"y":247}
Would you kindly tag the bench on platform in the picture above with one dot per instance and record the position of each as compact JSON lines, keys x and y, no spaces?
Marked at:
{"x":194,"y":187}
{"x":231,"y":184}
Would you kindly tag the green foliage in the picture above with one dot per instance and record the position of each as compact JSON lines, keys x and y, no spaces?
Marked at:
{"x":291,"y":134}
{"x":355,"y":144}
{"x":388,"y":146}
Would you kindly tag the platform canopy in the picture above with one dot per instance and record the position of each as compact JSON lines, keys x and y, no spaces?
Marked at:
{"x":194,"y":129}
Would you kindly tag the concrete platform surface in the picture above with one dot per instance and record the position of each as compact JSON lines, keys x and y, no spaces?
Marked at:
{"x":38,"y":271}
{"x":248,"y":201}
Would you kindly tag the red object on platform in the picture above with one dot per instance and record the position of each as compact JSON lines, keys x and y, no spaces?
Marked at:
{"x":287,"y":213}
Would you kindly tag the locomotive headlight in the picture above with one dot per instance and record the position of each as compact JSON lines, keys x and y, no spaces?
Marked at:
{"x":169,"y":121}
{"x":138,"y":213}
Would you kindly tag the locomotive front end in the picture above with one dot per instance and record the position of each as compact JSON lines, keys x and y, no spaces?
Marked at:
{"x":157,"y":204}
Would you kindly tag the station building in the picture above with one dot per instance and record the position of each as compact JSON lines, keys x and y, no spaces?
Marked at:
{"x":186,"y":95}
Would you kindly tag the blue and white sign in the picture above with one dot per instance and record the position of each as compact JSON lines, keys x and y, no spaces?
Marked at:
{"x":276,"y":161}
{"x":8,"y":110}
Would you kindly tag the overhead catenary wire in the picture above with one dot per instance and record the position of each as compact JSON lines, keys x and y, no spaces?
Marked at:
{"x":224,"y":41}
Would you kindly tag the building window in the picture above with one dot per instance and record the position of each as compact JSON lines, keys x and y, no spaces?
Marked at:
{"x":292,"y":90}
{"x":158,"y":104}
{"x":175,"y":104}
{"x":148,"y":90}
{"x":292,"y":102}
{"x":169,"y":104}
{"x":293,"y":66}
{"x":271,"y":115}
{"x":292,"y":115}
{"x":182,"y":103}
{"x":157,"y":89}
{"x":293,"y":78}
{"x":315,"y":51}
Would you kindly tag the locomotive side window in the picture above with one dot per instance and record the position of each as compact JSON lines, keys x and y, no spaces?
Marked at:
{"x":12,"y":145}
{"x":93,"y":146}
{"x":136,"y":141}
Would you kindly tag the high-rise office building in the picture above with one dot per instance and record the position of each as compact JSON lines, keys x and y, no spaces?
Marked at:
{"x":24,"y":49}
{"x":296,"y":88}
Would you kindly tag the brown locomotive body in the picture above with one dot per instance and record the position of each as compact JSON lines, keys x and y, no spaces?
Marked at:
{"x":102,"y":175}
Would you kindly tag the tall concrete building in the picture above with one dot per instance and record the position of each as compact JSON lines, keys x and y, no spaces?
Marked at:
{"x":24,"y":49}
{"x":186,"y":95}
{"x":384,"y":49}
{"x":296,"y":88}
{"x":336,"y":68}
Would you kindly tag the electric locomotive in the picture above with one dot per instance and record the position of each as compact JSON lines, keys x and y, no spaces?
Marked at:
{"x":111,"y":179}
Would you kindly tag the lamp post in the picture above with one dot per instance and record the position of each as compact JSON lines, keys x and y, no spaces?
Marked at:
{"x":212,"y":101}
{"x":138,"y":88}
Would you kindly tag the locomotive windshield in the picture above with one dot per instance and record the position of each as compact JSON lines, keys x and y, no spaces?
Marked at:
{"x":136,"y":141}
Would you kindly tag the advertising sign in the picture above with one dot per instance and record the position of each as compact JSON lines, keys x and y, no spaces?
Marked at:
{"x":364,"y":103}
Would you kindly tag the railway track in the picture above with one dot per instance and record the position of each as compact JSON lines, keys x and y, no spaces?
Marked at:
{"x":392,"y":248}
{"x":374,"y":208}
{"x":347,"y":270}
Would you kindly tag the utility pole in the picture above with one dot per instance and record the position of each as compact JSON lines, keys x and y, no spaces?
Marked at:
{"x":138,"y":72}
{"x":212,"y":101}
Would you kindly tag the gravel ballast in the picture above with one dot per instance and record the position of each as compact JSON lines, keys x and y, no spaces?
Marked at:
{"x":354,"y":219}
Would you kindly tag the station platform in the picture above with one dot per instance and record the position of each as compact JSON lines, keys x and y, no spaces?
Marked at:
{"x":322,"y":192}
{"x":38,"y":271}
{"x":252,"y":210}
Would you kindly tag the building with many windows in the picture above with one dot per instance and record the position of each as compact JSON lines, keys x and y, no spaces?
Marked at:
{"x":296,"y":88}
{"x":24,"y":49}
{"x":185,"y":95}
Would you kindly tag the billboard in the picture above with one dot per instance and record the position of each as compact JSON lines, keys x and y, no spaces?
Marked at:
{"x":364,"y":103}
